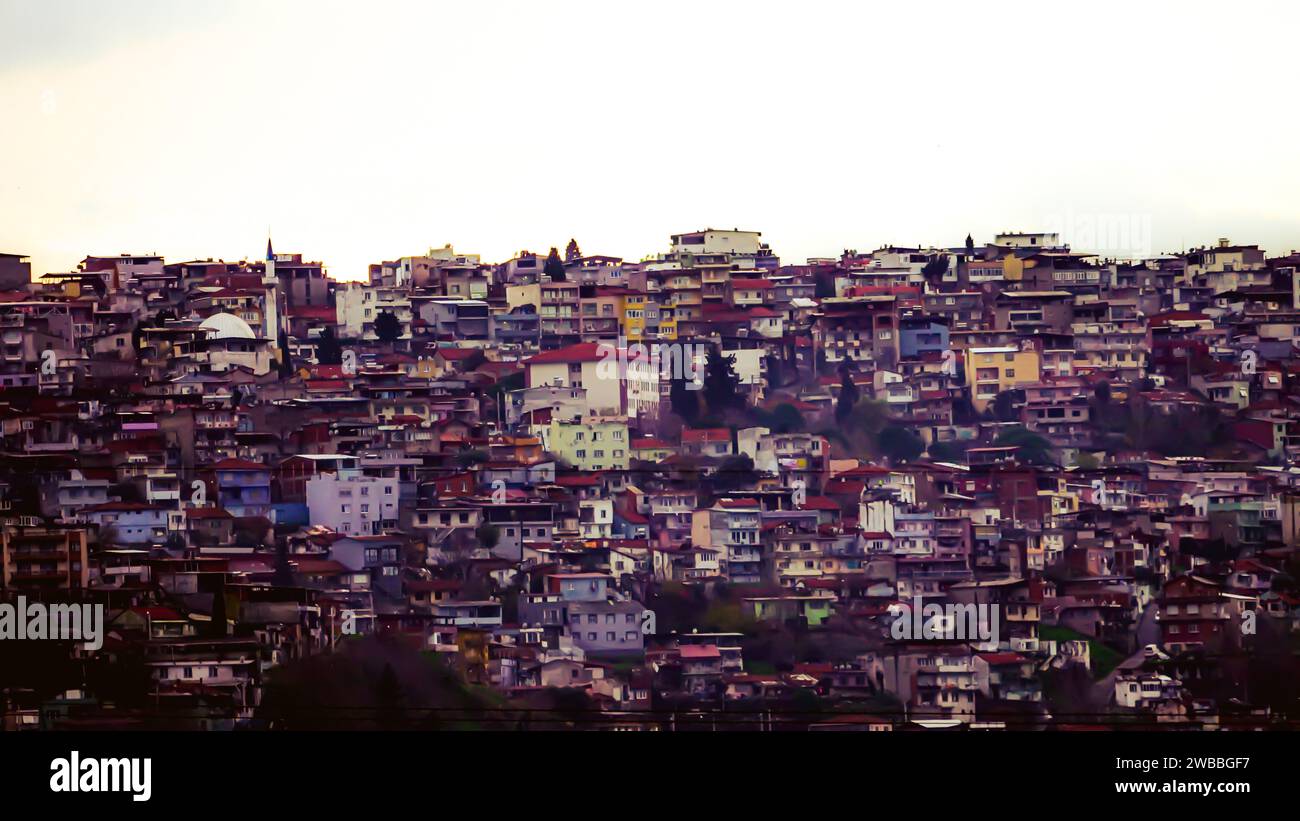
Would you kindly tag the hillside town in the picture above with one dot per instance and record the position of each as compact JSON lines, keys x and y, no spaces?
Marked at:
{"x":1004,"y":485}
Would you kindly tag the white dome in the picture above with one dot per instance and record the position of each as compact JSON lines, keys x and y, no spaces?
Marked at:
{"x":227,"y":326}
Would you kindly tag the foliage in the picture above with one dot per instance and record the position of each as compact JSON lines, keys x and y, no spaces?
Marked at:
{"x":849,"y":395}
{"x":947,"y":452}
{"x":899,"y":444}
{"x":370,"y":684}
{"x":554,"y":267}
{"x":1031,"y":448}
{"x":734,"y":473}
{"x":388,"y":327}
{"x":467,"y":457}
{"x":685,"y":401}
{"x":1086,"y":461}
{"x":721,"y":383}
{"x":1005,"y":405}
{"x":328,"y":349}
{"x":784,"y":418}
{"x":489,"y":536}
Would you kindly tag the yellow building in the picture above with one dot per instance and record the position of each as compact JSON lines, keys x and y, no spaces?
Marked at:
{"x":633,"y":319}
{"x":990,"y":371}
{"x":594,"y":443}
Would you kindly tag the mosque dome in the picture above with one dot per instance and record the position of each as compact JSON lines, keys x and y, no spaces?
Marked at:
{"x":227,"y":326}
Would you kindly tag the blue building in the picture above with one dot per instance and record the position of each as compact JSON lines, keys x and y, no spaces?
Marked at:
{"x":918,"y":335}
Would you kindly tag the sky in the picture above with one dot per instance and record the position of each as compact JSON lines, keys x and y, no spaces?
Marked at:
{"x":361,"y":132}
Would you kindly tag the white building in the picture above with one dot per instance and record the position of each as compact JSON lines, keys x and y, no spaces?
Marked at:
{"x":589,"y":365}
{"x":358,"y":305}
{"x":352,"y":503}
{"x":710,"y":241}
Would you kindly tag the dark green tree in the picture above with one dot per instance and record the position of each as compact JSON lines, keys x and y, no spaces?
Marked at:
{"x":328,"y":349}
{"x":685,"y":401}
{"x":474,"y":362}
{"x":285,"y":368}
{"x":786,"y":418}
{"x":572,"y":252}
{"x":1005,"y":405}
{"x":488,"y":536}
{"x":734,"y":473}
{"x":721,"y":384}
{"x":554,"y":267}
{"x":946,"y":452}
{"x":935,"y":269}
{"x":848,"y":396}
{"x":388,"y":327}
{"x":467,"y":457}
{"x":1030,"y":447}
{"x":899,"y":444}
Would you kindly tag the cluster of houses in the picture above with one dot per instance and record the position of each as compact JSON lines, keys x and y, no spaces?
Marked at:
{"x":698,"y":480}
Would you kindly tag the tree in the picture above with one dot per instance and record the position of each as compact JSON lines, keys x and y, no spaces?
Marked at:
{"x":554,"y":267}
{"x":285,"y":367}
{"x":935,"y":269}
{"x":734,"y":473}
{"x":685,"y":401}
{"x":572,"y":252}
{"x":1030,"y":447}
{"x":1086,"y":461}
{"x":774,"y":374}
{"x":946,"y":452}
{"x":388,"y":327}
{"x":1102,"y":392}
{"x":1005,"y":405}
{"x":470,"y":456}
{"x":786,"y":418}
{"x":489,"y":536}
{"x":970,"y":247}
{"x":328,"y":349}
{"x":859,"y":430}
{"x":848,"y":396}
{"x":900,"y":444}
{"x":721,"y":384}
{"x":126,"y":492}
{"x":474,"y":362}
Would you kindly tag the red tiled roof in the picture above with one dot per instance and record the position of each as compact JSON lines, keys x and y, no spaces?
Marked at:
{"x":207,"y":513}
{"x":820,"y":503}
{"x":699,"y":651}
{"x":650,"y":443}
{"x":456,"y":354}
{"x":706,"y":435}
{"x":582,"y":352}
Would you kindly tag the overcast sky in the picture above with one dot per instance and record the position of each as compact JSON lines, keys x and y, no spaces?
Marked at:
{"x":368,"y":131}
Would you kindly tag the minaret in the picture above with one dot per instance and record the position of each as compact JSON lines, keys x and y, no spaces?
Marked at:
{"x":270,"y":299}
